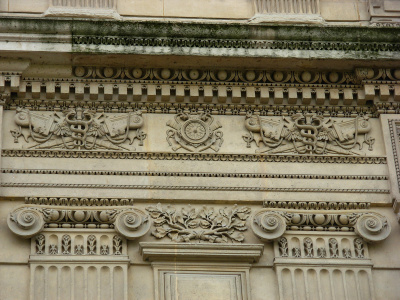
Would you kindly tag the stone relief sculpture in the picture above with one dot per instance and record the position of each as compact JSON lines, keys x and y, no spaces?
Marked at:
{"x":205,"y":225}
{"x":79,"y":128}
{"x":28,"y":221}
{"x":307,"y":133}
{"x":270,"y":225}
{"x":194,"y":132}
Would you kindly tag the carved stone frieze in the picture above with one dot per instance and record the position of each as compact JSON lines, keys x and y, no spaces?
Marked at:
{"x":194,"y":132}
{"x":206,"y":225}
{"x":78,"y":129}
{"x":308,"y":133}
{"x":270,"y":224}
{"x":27,"y":221}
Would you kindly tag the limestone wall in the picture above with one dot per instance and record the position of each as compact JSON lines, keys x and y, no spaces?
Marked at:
{"x":259,"y":163}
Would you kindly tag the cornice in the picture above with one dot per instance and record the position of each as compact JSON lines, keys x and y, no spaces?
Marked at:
{"x":180,"y":38}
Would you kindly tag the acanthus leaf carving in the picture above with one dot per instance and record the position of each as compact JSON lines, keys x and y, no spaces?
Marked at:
{"x":194,"y":132}
{"x":308,"y":133}
{"x":80,"y":129}
{"x":204,"y":225}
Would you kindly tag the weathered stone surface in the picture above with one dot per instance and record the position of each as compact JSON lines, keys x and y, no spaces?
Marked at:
{"x":222,"y":150}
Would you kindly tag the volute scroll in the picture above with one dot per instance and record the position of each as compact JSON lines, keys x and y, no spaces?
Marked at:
{"x":270,"y":224}
{"x":28,"y":221}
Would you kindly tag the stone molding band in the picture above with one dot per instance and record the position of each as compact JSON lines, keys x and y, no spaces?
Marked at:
{"x":228,"y":157}
{"x":271,"y":224}
{"x":27,"y":221}
{"x":86,"y":40}
{"x":191,"y":188}
{"x":193,"y":174}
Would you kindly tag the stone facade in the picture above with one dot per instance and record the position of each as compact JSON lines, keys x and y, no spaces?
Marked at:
{"x":199,"y":149}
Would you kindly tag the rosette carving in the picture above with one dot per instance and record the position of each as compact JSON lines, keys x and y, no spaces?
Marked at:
{"x":132,"y":223}
{"x":268,"y":225}
{"x":25,"y":222}
{"x":372,"y":227}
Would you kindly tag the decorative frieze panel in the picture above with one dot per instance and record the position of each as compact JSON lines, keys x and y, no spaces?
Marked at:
{"x":308,"y":133}
{"x":321,"y":245}
{"x":28,"y":221}
{"x":190,"y":224}
{"x":270,"y":224}
{"x":75,"y":242}
{"x":194,"y":132}
{"x":78,"y":129}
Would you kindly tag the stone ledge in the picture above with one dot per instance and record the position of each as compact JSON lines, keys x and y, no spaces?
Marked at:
{"x":322,"y":262}
{"x":79,"y":259}
{"x":250,"y":253}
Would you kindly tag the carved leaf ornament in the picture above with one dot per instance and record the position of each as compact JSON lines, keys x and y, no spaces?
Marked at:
{"x":270,"y":225}
{"x":28,"y":221}
{"x":204,"y":225}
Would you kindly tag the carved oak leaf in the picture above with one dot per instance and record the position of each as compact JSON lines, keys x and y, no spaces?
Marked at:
{"x":179,"y":219}
{"x":218,"y":220}
{"x":193,"y":224}
{"x":243,"y":213}
{"x":204,"y":224}
{"x":159,"y":232}
{"x":159,"y":221}
{"x":239,"y":225}
{"x":191,"y":214}
{"x":154,"y":211}
{"x":237,"y":236}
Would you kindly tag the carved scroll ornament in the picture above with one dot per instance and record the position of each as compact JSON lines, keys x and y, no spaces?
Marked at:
{"x":308,"y":133}
{"x":28,"y":221}
{"x":194,"y":132}
{"x":271,"y":224}
{"x":78,"y":128}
